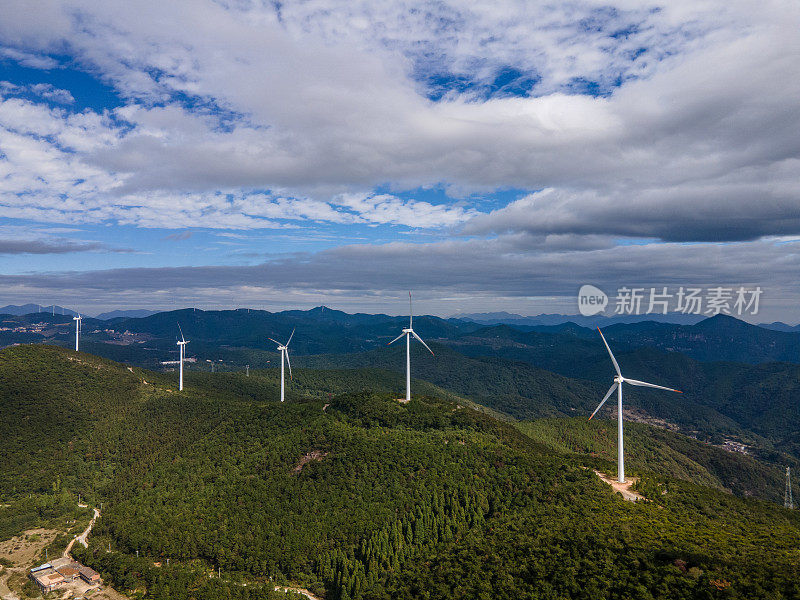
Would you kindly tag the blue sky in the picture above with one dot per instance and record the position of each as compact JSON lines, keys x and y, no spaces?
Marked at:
{"x":492,"y":156}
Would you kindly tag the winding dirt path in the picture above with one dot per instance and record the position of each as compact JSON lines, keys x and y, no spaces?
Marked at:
{"x":82,"y":537}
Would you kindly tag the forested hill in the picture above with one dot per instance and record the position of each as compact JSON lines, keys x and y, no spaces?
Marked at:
{"x":355,"y":495}
{"x":718,"y":338}
{"x":719,"y":397}
{"x":655,"y":450}
{"x":753,"y":403}
{"x":323,"y":330}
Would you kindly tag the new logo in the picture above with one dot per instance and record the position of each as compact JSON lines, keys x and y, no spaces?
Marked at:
{"x":591,"y":300}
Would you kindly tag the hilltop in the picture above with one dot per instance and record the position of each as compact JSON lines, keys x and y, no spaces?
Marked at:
{"x":751,"y":402}
{"x":355,"y":495}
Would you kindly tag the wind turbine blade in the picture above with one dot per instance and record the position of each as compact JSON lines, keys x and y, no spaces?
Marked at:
{"x":275,"y":341}
{"x":652,"y":385}
{"x":181,"y":330}
{"x":611,"y":354}
{"x":414,"y":333}
{"x":288,"y":362}
{"x":410,"y":312}
{"x":603,"y":401}
{"x":395,"y":339}
{"x":290,"y":338}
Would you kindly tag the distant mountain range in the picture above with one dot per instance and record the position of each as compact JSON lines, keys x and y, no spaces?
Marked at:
{"x":495,"y":318}
{"x":713,"y":339}
{"x":490,"y":318}
{"x":26,"y":309}
{"x":135,"y":313}
{"x":780,"y":326}
{"x":235,"y":334}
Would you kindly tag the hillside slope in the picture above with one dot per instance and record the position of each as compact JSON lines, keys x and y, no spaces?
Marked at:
{"x":654,"y":450}
{"x":370,"y":498}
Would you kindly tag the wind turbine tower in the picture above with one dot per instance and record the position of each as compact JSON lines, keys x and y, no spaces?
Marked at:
{"x":618,"y":381}
{"x":284,"y":350}
{"x":182,"y":354}
{"x":77,"y":320}
{"x":788,"y":502}
{"x":408,"y":333}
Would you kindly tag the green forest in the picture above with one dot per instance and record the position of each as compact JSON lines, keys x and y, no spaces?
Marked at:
{"x":348,"y":492}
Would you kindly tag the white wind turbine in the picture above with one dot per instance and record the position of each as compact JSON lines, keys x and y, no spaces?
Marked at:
{"x":77,"y":320}
{"x":408,"y":333}
{"x":284,"y":350}
{"x":618,"y":381}
{"x":182,"y":354}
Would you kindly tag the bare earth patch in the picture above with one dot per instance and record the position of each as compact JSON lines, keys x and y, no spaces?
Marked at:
{"x":301,"y":591}
{"x":22,"y":550}
{"x":622,"y":488}
{"x":311,"y":456}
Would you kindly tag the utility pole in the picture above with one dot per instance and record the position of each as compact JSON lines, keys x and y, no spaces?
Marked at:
{"x":788,"y":502}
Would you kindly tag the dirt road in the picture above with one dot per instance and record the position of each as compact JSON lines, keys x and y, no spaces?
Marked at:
{"x":82,"y":537}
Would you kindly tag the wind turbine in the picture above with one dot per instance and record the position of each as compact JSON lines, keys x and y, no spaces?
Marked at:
{"x":284,"y":350}
{"x":77,"y":330}
{"x":408,"y":333}
{"x":182,"y":354}
{"x":618,"y":381}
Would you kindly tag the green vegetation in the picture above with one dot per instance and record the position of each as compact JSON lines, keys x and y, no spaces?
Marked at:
{"x":350,"y":493}
{"x":578,"y":542}
{"x":653,"y":450}
{"x":38,"y":510}
{"x":513,"y":388}
{"x":755,"y":402}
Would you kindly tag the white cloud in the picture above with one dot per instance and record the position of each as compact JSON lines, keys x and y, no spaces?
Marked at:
{"x":322,"y":103}
{"x":28,"y":59}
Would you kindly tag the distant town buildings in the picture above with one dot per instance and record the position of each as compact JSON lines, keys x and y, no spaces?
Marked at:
{"x":733,"y":446}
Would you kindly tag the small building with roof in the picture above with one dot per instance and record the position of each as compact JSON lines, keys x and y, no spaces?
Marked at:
{"x":60,"y":572}
{"x":48,"y":579}
{"x":89,"y":575}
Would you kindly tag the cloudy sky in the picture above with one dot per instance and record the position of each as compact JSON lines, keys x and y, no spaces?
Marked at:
{"x":495,"y":157}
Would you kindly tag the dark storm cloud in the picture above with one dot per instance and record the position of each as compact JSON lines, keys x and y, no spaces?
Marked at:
{"x":15,"y":246}
{"x":683,"y":214}
{"x":508,"y":266}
